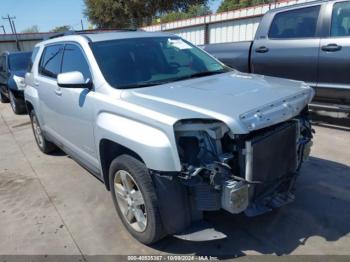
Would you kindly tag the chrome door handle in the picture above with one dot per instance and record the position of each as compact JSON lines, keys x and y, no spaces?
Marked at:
{"x":58,"y":92}
{"x":262,"y":49}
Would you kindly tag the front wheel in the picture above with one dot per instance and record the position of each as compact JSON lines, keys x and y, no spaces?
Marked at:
{"x":135,"y":199}
{"x":44,"y":145}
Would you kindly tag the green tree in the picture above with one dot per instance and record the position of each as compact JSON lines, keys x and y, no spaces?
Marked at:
{"x":198,"y":10}
{"x":193,"y":11}
{"x":32,"y":29}
{"x":62,"y":28}
{"x":228,"y":5}
{"x":132,"y":13}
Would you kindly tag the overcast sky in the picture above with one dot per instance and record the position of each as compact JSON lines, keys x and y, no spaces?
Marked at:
{"x":48,"y":14}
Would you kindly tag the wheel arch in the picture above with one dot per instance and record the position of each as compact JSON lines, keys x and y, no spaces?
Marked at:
{"x":108,"y":151}
{"x":11,"y":84}
{"x":29,"y":106}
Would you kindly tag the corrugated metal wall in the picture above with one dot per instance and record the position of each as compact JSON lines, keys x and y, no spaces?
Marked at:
{"x":233,"y":31}
{"x":232,"y":26}
{"x":193,"y":34}
{"x":11,"y":46}
{"x":26,"y":41}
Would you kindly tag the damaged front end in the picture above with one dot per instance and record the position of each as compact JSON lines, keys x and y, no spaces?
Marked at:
{"x":251,"y":173}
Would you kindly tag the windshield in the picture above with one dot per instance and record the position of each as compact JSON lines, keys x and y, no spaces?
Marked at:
{"x":19,"y":61}
{"x":140,"y":62}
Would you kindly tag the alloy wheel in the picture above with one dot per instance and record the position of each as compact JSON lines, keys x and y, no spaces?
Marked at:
{"x":37,"y":132}
{"x":130,"y":200}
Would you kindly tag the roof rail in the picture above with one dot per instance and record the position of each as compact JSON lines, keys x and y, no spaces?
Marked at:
{"x":92,"y":31}
{"x":55,"y":35}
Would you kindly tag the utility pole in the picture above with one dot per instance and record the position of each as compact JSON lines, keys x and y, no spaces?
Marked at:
{"x":3,"y":29}
{"x":82,"y":25}
{"x":13,"y":28}
{"x":10,"y":21}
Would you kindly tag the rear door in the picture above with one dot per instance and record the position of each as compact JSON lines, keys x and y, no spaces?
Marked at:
{"x":46,"y":83}
{"x":289,"y":47}
{"x":334,"y":62}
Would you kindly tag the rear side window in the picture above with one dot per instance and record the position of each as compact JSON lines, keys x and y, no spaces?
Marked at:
{"x":299,"y":23}
{"x":74,"y":60}
{"x":50,"y":64}
{"x":32,"y":58}
{"x":341,"y":19}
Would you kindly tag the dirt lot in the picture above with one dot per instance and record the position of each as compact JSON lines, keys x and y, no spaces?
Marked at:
{"x":51,"y":205}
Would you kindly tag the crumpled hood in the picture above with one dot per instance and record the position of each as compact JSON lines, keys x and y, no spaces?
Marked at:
{"x":245,"y":102}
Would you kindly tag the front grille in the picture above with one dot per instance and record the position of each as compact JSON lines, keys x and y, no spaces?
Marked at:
{"x":272,"y":156}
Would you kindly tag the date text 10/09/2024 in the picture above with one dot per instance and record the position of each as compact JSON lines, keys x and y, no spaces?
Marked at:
{"x":171,"y":258}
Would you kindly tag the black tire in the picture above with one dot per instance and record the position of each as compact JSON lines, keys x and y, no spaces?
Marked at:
{"x":17,"y":104}
{"x":154,"y":230}
{"x":44,"y":145}
{"x":3,"y":99}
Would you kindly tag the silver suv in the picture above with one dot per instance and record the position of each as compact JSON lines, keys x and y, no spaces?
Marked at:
{"x":169,"y":130}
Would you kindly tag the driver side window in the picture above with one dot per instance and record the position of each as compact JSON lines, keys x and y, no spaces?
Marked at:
{"x":74,"y":60}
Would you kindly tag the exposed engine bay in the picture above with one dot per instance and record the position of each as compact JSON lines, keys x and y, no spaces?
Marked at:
{"x":251,"y":173}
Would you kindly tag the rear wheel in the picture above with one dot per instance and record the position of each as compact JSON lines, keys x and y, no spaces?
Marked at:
{"x":44,"y":145}
{"x":135,"y":199}
{"x":3,"y":99}
{"x":17,"y":104}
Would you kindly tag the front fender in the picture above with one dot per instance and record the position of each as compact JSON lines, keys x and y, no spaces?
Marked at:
{"x":11,"y":84}
{"x":31,"y":95}
{"x":153,"y":145}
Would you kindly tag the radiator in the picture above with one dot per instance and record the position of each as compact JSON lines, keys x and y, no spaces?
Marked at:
{"x":271,"y":156}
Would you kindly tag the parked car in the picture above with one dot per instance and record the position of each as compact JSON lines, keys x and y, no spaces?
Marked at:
{"x":13,"y":66}
{"x":308,"y":42}
{"x":171,"y":132}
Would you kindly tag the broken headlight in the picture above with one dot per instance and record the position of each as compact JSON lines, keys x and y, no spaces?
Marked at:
{"x":199,"y":142}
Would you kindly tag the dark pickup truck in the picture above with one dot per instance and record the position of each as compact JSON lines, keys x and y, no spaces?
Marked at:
{"x":308,"y":42}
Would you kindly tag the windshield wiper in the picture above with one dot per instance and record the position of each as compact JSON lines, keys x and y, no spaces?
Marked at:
{"x":155,"y":83}
{"x":146,"y":84}
{"x":200,"y":74}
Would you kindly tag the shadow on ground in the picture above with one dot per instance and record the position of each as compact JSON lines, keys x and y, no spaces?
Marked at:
{"x":340,"y":123}
{"x":322,"y":208}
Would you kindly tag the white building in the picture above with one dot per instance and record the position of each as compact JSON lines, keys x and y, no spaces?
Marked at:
{"x":232,"y":26}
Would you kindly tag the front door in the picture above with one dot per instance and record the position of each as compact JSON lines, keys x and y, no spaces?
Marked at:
{"x":290,"y":47}
{"x":76,"y":109}
{"x":67,"y":112}
{"x":334,"y":61}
